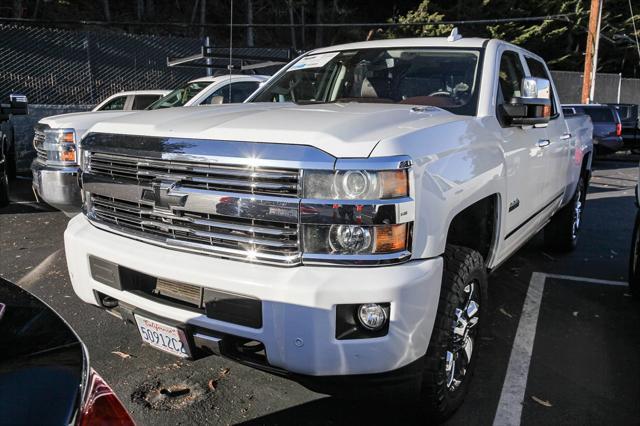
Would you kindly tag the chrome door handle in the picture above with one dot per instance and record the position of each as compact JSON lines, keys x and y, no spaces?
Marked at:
{"x":565,"y":136}
{"x":543,"y":142}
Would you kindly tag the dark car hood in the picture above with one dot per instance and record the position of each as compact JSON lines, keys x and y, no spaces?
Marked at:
{"x":42,"y":361}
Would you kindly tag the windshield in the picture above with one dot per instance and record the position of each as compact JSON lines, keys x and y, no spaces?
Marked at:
{"x":414,"y":76}
{"x":180,"y":96}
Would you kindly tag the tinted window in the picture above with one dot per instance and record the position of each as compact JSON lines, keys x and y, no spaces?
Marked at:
{"x":180,"y":96}
{"x":600,"y":115}
{"x":116,"y":104}
{"x":239,"y":92}
{"x":537,"y":69}
{"x":445,"y":78}
{"x":626,"y":112}
{"x":510,"y":76}
{"x":143,"y":101}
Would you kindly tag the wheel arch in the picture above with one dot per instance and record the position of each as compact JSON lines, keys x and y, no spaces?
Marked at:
{"x":477,"y":226}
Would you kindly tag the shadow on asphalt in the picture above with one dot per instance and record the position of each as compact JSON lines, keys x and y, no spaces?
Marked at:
{"x":330,"y":411}
{"x":23,"y":200}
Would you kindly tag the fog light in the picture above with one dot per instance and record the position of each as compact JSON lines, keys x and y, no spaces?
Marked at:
{"x":372,"y":316}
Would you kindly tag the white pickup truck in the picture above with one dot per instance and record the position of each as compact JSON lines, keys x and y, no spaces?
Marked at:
{"x":338,"y":227}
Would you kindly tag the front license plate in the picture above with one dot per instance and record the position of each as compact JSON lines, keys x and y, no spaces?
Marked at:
{"x":164,"y":337}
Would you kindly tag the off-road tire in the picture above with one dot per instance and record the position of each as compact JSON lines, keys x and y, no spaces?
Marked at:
{"x":559,"y":234}
{"x":634,"y":260}
{"x":462,"y":266}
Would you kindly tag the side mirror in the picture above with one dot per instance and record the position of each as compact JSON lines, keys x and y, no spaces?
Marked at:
{"x":533,"y":107}
{"x":13,"y":105}
{"x":19,"y":104}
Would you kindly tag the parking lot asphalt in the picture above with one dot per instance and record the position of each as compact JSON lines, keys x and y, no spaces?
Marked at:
{"x":572,"y":358}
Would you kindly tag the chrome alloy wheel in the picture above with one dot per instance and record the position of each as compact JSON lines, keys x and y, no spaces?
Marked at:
{"x":577,"y":215}
{"x":464,"y":333}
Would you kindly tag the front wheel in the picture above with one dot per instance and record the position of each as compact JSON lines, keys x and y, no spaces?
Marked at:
{"x":561,"y":234}
{"x":634,"y":260}
{"x":451,"y":356}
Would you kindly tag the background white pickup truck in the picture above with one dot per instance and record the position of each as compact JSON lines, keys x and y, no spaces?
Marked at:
{"x":339,"y":227}
{"x":55,"y":169}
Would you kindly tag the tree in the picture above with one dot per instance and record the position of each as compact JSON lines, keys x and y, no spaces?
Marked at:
{"x":319,"y":16}
{"x":17,"y":8}
{"x":107,"y":10}
{"x":421,"y":14}
{"x":292,"y":22}
{"x":250,"y":41}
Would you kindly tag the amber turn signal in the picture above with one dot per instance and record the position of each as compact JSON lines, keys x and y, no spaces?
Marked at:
{"x":67,"y":137}
{"x":395,"y":183}
{"x":68,"y":155}
{"x":390,"y":238}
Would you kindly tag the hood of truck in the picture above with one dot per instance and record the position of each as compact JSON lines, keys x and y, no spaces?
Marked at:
{"x":343,"y":130}
{"x":80,"y":121}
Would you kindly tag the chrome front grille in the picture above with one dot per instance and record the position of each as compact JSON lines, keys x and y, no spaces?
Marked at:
{"x":231,"y":237}
{"x":210,"y":208}
{"x":38,"y":142}
{"x":212,"y":177}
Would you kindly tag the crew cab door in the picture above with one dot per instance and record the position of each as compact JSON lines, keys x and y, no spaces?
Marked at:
{"x":560,"y":140}
{"x":524,"y":155}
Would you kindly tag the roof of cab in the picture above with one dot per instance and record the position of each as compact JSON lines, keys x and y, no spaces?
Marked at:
{"x":471,"y":42}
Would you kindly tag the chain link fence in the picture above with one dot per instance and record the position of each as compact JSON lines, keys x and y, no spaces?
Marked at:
{"x":569,"y":85}
{"x":60,"y":67}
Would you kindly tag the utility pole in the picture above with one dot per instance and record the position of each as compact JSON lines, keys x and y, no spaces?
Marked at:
{"x":591,"y":54}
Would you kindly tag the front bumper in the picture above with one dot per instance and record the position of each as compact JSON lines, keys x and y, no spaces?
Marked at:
{"x":57,"y":186}
{"x":298,"y":304}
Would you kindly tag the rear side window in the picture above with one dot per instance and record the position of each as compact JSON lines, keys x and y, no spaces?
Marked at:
{"x":116,"y":104}
{"x":537,"y":69}
{"x":600,"y":115}
{"x":143,"y":101}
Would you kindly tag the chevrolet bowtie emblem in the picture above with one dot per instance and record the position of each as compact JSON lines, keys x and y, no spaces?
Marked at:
{"x":162,"y":196}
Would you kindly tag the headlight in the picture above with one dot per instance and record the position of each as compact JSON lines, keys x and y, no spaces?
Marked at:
{"x":355,"y":184}
{"x":355,"y":239}
{"x":60,"y":145}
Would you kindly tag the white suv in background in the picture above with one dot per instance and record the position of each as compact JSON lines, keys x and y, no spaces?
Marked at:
{"x":55,"y":169}
{"x":130,"y":101}
{"x":224,"y":89}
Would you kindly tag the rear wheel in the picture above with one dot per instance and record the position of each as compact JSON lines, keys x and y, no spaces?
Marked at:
{"x":450,"y":358}
{"x":634,"y":260}
{"x":561,"y":234}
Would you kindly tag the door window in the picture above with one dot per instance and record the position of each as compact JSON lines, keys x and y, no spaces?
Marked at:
{"x":116,"y":104}
{"x":141,"y":102}
{"x":510,"y":78}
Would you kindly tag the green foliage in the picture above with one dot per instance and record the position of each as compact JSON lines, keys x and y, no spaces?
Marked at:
{"x":421,"y":14}
{"x":560,"y":41}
